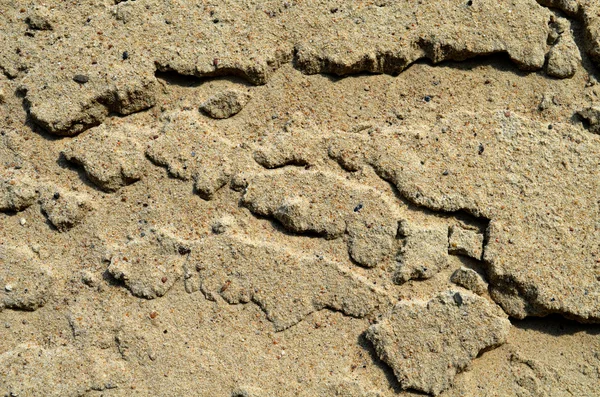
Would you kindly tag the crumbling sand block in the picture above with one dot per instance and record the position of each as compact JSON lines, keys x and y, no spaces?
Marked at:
{"x":24,"y":282}
{"x":64,"y":209}
{"x":466,"y":242}
{"x":330,"y":206}
{"x":428,"y":343}
{"x":111,"y":156}
{"x":287,"y":287}
{"x":424,"y":253}
{"x":226,"y":104}
{"x":149,"y":266}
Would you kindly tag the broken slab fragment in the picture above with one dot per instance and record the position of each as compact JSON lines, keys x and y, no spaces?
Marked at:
{"x":380,"y":38}
{"x":535,"y":242}
{"x":592,"y":116}
{"x":469,"y":279}
{"x":286,"y":286}
{"x":330,"y":206}
{"x":588,"y":12}
{"x":290,"y":147}
{"x":150,"y":265}
{"x":564,"y":57}
{"x":64,"y":209}
{"x":111,"y":156}
{"x":24,"y":281}
{"x":427,"y":343}
{"x":432,"y":29}
{"x":424,"y":253}
{"x":83,"y":106}
{"x":225,"y":104}
{"x":191,"y":151}
{"x":17,"y":191}
{"x":466,"y":242}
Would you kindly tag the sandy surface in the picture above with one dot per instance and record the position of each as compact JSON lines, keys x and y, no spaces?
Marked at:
{"x":299,"y":198}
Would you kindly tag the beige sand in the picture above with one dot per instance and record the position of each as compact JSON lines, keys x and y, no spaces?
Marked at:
{"x":299,"y":198}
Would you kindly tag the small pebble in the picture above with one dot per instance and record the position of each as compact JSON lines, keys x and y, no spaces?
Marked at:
{"x":481,"y":148}
{"x":445,"y":173}
{"x":8,"y":288}
{"x":23,"y":221}
{"x":125,"y":55}
{"x":81,"y":78}
{"x":458,"y":299}
{"x":427,"y":98}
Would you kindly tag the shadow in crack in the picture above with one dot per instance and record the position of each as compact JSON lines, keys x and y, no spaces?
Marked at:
{"x":181,"y":80}
{"x":555,"y":325}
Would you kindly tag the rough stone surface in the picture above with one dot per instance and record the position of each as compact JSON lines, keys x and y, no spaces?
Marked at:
{"x":428,"y":343}
{"x":225,"y":104}
{"x":466,"y":242}
{"x":111,"y":158}
{"x":286,"y":286}
{"x":469,"y":279}
{"x":24,"y":281}
{"x":321,"y":203}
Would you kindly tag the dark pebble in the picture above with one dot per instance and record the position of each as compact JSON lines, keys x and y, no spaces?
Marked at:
{"x":81,"y":78}
{"x":481,"y":148}
{"x":56,"y":196}
{"x":470,"y":3}
{"x":184,"y":250}
{"x":427,"y":98}
{"x":550,"y":126}
{"x":445,"y":173}
{"x":125,"y":55}
{"x":458,"y":299}
{"x":358,"y":208}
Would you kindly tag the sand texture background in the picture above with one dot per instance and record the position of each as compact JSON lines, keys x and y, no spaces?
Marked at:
{"x":299,"y":198}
